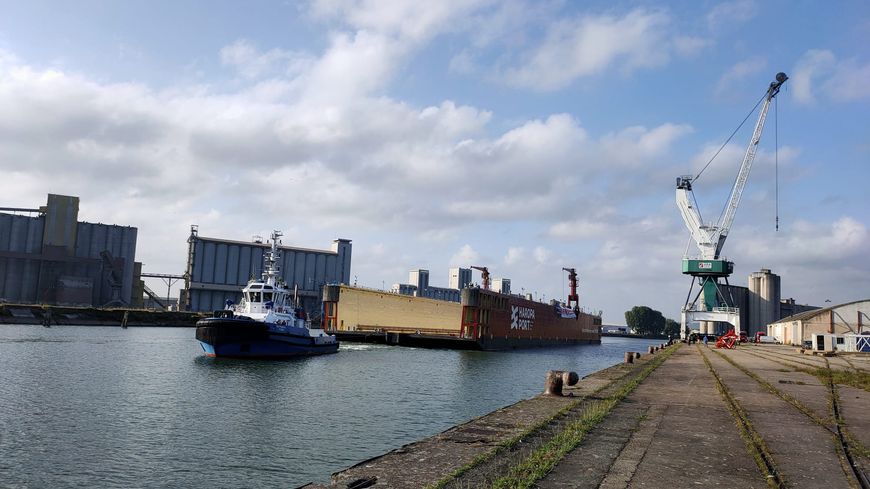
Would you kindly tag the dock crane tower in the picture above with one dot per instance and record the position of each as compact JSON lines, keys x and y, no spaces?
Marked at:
{"x":710,"y":238}
{"x":484,"y":276}
{"x":573,"y":298}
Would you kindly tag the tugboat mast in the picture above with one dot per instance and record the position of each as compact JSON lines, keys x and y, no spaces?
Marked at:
{"x":272,"y":271}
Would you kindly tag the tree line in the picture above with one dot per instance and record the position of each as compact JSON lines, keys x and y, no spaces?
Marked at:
{"x":649,"y":322}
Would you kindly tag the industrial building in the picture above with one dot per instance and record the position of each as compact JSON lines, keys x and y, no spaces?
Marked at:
{"x":418,"y":285}
{"x":851,"y":318}
{"x":218,"y":269}
{"x":48,"y":256}
{"x":760,"y":304}
{"x":458,"y":279}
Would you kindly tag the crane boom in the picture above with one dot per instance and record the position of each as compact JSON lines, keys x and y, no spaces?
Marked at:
{"x":748,"y":158}
{"x":711,"y":238}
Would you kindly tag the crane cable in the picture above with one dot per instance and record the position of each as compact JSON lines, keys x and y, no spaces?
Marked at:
{"x":776,"y":154}
{"x":729,"y":137}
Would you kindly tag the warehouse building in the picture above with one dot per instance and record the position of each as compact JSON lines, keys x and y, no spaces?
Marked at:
{"x":48,"y":256}
{"x":851,"y":318}
{"x":760,"y":304}
{"x":458,"y":279}
{"x":218,"y":269}
{"x":418,"y":285}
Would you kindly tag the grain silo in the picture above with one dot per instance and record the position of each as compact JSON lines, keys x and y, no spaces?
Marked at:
{"x":218,"y":269}
{"x":48,"y":256}
{"x":764,"y":300}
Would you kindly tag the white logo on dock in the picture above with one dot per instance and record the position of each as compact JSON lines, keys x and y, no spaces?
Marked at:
{"x":522,"y":317}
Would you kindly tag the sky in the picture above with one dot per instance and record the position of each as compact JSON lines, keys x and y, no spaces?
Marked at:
{"x":525,"y":136}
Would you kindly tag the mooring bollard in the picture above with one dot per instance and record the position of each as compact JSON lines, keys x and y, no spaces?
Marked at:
{"x":570,"y":378}
{"x":637,"y":355}
{"x":651,"y":349}
{"x":556,"y":379}
{"x":629,"y":357}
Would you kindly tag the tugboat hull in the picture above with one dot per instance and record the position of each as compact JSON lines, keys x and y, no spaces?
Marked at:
{"x":246,"y":338}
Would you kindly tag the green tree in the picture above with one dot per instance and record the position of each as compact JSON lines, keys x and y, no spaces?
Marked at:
{"x":672,"y":328}
{"x":645,"y":321}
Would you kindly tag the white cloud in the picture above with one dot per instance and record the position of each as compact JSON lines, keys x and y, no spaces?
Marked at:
{"x":813,"y":63}
{"x":829,"y":244}
{"x":734,"y":12}
{"x":637,"y":145}
{"x":690,"y":45}
{"x":542,"y":255}
{"x":464,"y":257}
{"x":738,"y":73}
{"x":408,"y":20}
{"x":251,"y":63}
{"x":590,"y":45}
{"x":820,"y":73}
{"x":583,"y":227}
{"x":515,"y":255}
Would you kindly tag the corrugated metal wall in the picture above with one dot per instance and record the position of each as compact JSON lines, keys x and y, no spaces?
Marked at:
{"x":120,"y":241}
{"x":222,"y":268}
{"x":28,"y":278}
{"x":19,"y":277}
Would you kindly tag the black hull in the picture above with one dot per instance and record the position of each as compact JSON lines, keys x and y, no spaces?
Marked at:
{"x":246,"y":338}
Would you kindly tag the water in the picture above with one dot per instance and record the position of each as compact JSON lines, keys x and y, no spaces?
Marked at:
{"x":142,"y":407}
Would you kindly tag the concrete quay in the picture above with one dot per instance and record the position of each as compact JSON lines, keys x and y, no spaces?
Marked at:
{"x":686,"y":415}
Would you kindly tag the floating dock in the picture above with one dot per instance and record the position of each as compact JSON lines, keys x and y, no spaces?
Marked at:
{"x":483,"y":320}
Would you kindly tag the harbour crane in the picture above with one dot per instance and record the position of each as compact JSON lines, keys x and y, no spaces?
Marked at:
{"x":484,"y":276}
{"x":710,"y":238}
{"x":573,"y":298}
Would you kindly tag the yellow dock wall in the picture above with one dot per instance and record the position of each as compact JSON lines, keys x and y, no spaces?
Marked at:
{"x":369,"y":310}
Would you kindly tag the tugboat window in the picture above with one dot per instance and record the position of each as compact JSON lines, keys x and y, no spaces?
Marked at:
{"x":267,"y":296}
{"x":255,"y":297}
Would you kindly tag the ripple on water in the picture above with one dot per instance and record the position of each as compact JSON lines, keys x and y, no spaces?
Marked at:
{"x":143,"y":407}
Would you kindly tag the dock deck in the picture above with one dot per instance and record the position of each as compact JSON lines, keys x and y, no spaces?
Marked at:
{"x":688,"y":415}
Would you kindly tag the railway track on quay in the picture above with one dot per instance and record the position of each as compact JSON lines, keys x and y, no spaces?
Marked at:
{"x":687,"y":416}
{"x":799,"y":391}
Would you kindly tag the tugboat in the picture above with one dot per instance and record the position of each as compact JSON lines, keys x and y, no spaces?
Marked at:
{"x":267,"y":323}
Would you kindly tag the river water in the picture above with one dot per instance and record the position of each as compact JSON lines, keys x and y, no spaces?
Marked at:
{"x":143,"y":407}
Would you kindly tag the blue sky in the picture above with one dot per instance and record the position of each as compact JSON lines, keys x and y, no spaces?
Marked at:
{"x":525,"y":136}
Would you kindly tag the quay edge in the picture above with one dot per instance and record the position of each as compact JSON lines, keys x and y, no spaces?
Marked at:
{"x":39,"y":314}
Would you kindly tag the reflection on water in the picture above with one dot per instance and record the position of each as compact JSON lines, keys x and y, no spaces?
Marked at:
{"x":143,"y":407}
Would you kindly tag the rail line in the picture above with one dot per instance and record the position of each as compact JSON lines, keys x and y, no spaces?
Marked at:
{"x":812,"y":361}
{"x":851,"y":468}
{"x":754,"y":441}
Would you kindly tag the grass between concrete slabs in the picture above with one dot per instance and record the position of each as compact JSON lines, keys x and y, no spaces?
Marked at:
{"x":755,"y":444}
{"x":510,"y":443}
{"x":859,"y":380}
{"x":540,"y":462}
{"x":773,"y":390}
{"x":829,"y":377}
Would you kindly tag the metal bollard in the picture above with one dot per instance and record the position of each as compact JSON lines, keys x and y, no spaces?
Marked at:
{"x":637,"y":355}
{"x":556,"y":379}
{"x":651,"y":349}
{"x":570,"y":378}
{"x":629,"y":357}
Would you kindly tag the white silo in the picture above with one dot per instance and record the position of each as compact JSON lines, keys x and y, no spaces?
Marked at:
{"x":764,"y":300}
